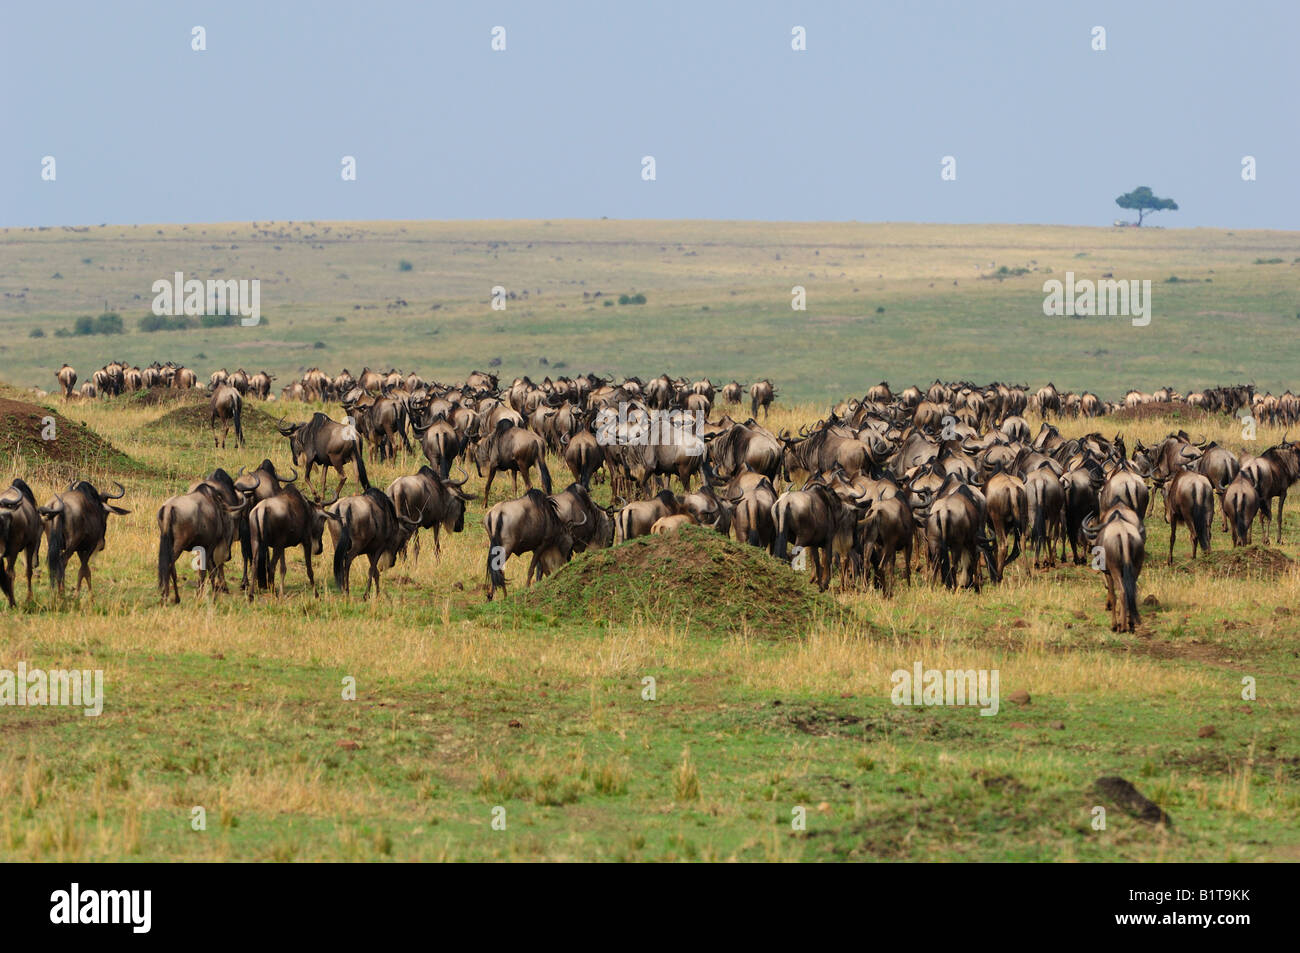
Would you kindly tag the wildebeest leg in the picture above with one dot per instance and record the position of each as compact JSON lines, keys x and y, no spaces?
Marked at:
{"x":487,"y":487}
{"x":514,"y":480}
{"x":306,"y":558}
{"x":277,"y":557}
{"x":84,"y":573}
{"x":175,"y":584}
{"x":437,"y":546}
{"x":1173,"y":531}
{"x":374,"y":575}
{"x":1281,"y":501}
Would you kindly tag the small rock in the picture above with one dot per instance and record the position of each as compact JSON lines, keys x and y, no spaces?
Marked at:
{"x":1207,"y":731}
{"x":347,"y":744}
{"x":1019,"y":624}
{"x":1151,"y":600}
{"x":1079,"y":614}
{"x":1020,"y":697}
{"x":824,"y":807}
{"x":1018,"y":724}
{"x":1058,"y":726}
{"x":1246,"y":710}
{"x":1132,"y":800}
{"x":459,"y":586}
{"x":515,"y":723}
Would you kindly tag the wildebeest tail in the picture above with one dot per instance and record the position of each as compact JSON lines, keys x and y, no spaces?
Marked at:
{"x":239,"y":421}
{"x":1038,"y":532}
{"x":1204,"y":516}
{"x":1128,"y":582}
{"x":361,"y":464}
{"x":261,"y":564}
{"x":166,"y":550}
{"x":1243,"y":524}
{"x":546,"y":474}
{"x":341,"y":551}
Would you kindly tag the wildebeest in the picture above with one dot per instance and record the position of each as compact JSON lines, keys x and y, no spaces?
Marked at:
{"x":583,"y":455}
{"x":281,"y":522}
{"x":203,"y":522}
{"x":1240,"y":506}
{"x":732,"y":393}
{"x":1008,"y":509}
{"x":761,"y":394}
{"x":531,"y":524}
{"x":368,"y":525}
{"x":67,"y":380}
{"x":886,"y":528}
{"x":1189,"y":499}
{"x":636,"y":518}
{"x":440,"y":441}
{"x":1272,"y":472}
{"x":592,"y":524}
{"x":227,"y":406}
{"x":818,"y":520}
{"x":510,"y":447}
{"x":327,"y":443}
{"x":20,"y":532}
{"x":1046,"y":505}
{"x":752,"y":497}
{"x":1121,"y":538}
{"x":76,"y":522}
{"x":955,"y":538}
{"x":433,"y":501}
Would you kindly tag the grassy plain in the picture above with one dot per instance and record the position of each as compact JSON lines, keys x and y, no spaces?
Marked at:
{"x":529,"y":706}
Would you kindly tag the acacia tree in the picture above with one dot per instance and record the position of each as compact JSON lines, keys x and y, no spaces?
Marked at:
{"x":1144,"y":201}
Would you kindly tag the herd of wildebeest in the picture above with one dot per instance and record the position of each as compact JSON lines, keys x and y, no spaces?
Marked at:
{"x":954,"y":469}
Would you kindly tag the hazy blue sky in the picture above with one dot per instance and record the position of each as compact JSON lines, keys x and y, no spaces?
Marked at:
{"x":143,"y":129}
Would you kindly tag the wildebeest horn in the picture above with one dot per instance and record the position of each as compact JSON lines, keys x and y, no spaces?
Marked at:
{"x":121,"y":492}
{"x":292,"y":478}
{"x":54,"y":508}
{"x":463,"y":480}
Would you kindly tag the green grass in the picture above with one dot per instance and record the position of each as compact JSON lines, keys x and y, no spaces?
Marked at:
{"x":718,"y":301}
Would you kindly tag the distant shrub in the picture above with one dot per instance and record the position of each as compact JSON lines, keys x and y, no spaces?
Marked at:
{"x":108,"y":323}
{"x":319,"y":346}
{"x":609,"y":302}
{"x":36,"y":333}
{"x":404,"y":265}
{"x":631,"y":299}
{"x":880,"y":310}
{"x":1268,"y":261}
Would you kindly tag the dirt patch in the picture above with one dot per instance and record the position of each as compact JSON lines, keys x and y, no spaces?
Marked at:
{"x":51,"y":442}
{"x":194,"y":415}
{"x":1239,"y":561}
{"x":697,"y":577}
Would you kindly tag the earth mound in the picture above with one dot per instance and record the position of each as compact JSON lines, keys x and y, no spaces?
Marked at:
{"x":1238,"y":561}
{"x":194,"y":417}
{"x":696,"y":578}
{"x":48,"y":440}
